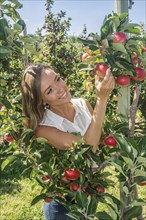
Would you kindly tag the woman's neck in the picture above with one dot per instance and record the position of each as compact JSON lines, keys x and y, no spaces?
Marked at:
{"x":66,"y":111}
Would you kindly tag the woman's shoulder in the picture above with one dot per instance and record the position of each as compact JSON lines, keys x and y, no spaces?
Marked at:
{"x":78,"y":101}
{"x":82,"y":103}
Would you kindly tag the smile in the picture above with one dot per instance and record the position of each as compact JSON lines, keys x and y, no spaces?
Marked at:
{"x":63,"y":96}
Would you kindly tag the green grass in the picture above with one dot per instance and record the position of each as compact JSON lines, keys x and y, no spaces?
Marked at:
{"x":15,"y":200}
{"x":16,"y":195}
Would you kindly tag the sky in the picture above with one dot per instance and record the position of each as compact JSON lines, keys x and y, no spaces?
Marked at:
{"x":88,"y":12}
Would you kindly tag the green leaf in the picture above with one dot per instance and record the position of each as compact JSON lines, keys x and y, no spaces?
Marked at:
{"x":118,"y":167}
{"x":140,"y":172}
{"x":129,"y":162}
{"x":103,"y":215}
{"x":92,"y":207}
{"x":27,"y":135}
{"x":133,"y":213}
{"x":22,"y":23}
{"x":41,"y":140}
{"x":105,"y":29}
{"x":123,"y":17}
{"x":81,"y":199}
{"x":7,"y":104}
{"x":38,"y":198}
{"x":3,"y":25}
{"x":86,"y":42}
{"x":17,"y":27}
{"x":112,"y":211}
{"x":4,"y":51}
{"x":9,"y":160}
{"x":123,"y":144}
{"x":119,"y":47}
{"x":134,"y":31}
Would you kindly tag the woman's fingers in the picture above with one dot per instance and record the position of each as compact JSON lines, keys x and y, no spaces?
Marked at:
{"x":106,"y":85}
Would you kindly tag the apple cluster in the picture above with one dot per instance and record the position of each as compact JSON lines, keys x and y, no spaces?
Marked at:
{"x":123,"y":79}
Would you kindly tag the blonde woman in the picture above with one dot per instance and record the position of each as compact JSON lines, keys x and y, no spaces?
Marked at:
{"x":51,"y":111}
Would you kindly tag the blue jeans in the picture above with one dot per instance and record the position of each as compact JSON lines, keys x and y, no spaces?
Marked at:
{"x":55,"y":211}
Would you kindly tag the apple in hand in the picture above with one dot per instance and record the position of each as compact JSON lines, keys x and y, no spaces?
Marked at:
{"x":123,"y":80}
{"x":100,"y":69}
{"x":110,"y":141}
{"x":119,"y":37}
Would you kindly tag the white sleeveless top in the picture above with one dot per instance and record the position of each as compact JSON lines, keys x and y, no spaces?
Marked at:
{"x":81,"y":121}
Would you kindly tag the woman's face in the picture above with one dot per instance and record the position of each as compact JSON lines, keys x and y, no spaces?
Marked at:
{"x":53,"y":89}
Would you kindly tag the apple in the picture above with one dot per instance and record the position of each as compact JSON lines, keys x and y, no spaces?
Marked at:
{"x":72,"y":174}
{"x":143,"y":49}
{"x":8,"y":137}
{"x":100,"y":69}
{"x":1,"y":105}
{"x":100,"y":189}
{"x":142,"y":184}
{"x":135,"y":61}
{"x":64,"y":179}
{"x":110,"y":141}
{"x":85,"y":56}
{"x":123,"y":80}
{"x":141,"y":74}
{"x":74,"y":186}
{"x":119,"y":37}
{"x":48,"y":200}
{"x":45,"y":178}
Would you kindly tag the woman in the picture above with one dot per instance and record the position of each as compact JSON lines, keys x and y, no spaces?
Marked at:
{"x":51,"y":112}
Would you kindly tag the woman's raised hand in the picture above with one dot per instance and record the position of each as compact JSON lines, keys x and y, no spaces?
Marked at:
{"x":104,"y":86}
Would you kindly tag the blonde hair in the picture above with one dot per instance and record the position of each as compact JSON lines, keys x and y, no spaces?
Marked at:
{"x":32,"y":103}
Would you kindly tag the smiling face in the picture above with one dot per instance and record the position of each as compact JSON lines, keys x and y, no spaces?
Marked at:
{"x":53,"y":89}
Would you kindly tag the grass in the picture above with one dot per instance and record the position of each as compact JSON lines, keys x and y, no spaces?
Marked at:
{"x":15,"y":200}
{"x":16,"y":195}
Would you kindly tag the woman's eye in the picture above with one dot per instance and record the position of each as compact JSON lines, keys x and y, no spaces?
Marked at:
{"x":58,"y":79}
{"x":50,"y":90}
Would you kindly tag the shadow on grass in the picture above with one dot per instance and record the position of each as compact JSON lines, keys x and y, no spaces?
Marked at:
{"x":9,"y":179}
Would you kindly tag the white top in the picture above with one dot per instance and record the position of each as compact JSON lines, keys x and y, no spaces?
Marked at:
{"x":81,"y":121}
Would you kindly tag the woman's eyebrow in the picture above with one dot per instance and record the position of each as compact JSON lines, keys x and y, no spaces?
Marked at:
{"x":50,"y":86}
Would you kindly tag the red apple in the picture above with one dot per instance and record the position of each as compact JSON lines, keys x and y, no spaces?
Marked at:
{"x":110,"y":141}
{"x":135,"y":61}
{"x":72,"y":174}
{"x":74,"y":186}
{"x":123,"y":80}
{"x":143,"y":49}
{"x":141,"y":74}
{"x":119,"y":37}
{"x":48,"y":200}
{"x":100,"y":69}
{"x":142,"y":184}
{"x":1,"y":105}
{"x":64,"y":179}
{"x":100,"y":189}
{"x":46,"y":178}
{"x":8,"y":137}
